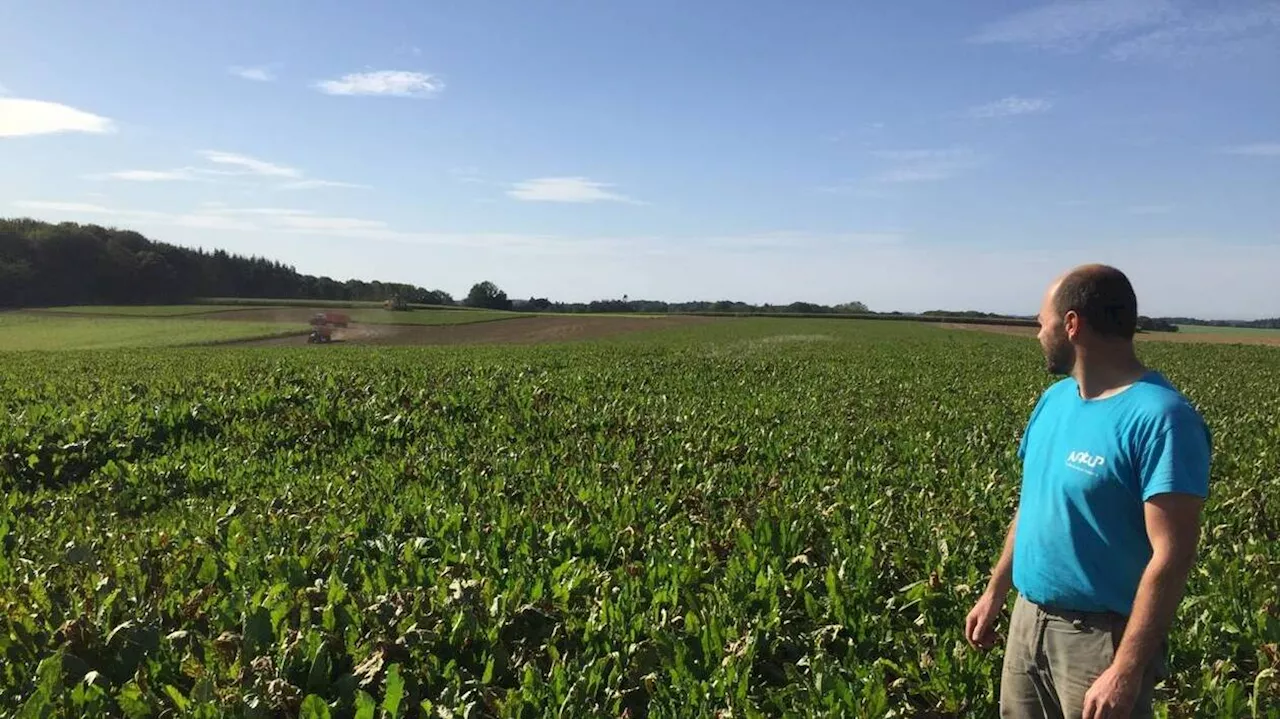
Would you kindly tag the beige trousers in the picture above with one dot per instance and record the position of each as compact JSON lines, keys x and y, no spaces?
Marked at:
{"x":1053,"y":657}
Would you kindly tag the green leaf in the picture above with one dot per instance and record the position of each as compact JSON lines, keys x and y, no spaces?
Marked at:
{"x":257,"y":632}
{"x":133,"y":702}
{"x":365,"y":706}
{"x":176,"y":695}
{"x":314,"y":707}
{"x":395,"y":691}
{"x":318,"y":677}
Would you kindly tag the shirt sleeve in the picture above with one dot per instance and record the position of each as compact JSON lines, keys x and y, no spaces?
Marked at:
{"x":1022,"y":441}
{"x":1177,"y":458}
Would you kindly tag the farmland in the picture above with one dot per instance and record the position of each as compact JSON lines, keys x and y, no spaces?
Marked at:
{"x":755,"y":517}
{"x":20,"y":331}
{"x":285,"y":313}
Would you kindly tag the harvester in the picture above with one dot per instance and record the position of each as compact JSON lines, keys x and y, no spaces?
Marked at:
{"x":322,"y":325}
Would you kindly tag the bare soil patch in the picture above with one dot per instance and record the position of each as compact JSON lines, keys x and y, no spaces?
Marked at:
{"x":521,"y":330}
{"x":1216,"y":338}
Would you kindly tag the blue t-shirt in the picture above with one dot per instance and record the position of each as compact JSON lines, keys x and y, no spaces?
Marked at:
{"x":1088,"y":467}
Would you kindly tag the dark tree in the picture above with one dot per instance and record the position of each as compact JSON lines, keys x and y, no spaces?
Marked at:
{"x":486,"y":294}
{"x":44,"y":264}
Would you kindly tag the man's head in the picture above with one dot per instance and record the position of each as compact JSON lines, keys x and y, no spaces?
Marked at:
{"x":1090,"y":306}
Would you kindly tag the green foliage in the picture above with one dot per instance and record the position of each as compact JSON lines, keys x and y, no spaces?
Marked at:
{"x":19,"y":331}
{"x":765,"y":518}
{"x":44,"y":264}
{"x":487,"y":295}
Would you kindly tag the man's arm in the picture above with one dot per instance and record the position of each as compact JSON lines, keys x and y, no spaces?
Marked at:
{"x":1002,"y":574}
{"x":979,"y":626}
{"x":1173,"y":527}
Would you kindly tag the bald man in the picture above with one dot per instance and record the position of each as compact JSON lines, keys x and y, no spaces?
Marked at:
{"x":1115,"y":474}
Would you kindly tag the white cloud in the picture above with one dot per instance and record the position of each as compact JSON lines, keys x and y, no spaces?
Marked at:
{"x":181,"y":175}
{"x":1259,"y":149}
{"x":249,"y":164}
{"x":925,"y":165}
{"x":467,"y":175}
{"x":260,"y":73}
{"x":1150,"y":209}
{"x":19,"y":117}
{"x":1009,"y":107}
{"x":326,"y":224}
{"x":245,"y":167}
{"x":315,"y":184}
{"x":78,"y":207}
{"x":211,"y":222}
{"x":565,"y":189}
{"x":393,"y":83}
{"x":1070,"y":25}
{"x":221,"y":209}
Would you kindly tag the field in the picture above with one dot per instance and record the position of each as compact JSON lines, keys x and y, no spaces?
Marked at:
{"x":755,"y":517}
{"x":20,"y":331}
{"x":1241,"y":331}
{"x":285,"y":313}
{"x":1195,"y":335}
{"x":139,"y":310}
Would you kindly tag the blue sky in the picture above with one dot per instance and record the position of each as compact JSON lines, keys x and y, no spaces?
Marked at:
{"x":908,"y":155}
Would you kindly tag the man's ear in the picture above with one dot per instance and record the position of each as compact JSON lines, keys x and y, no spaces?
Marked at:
{"x":1072,"y":324}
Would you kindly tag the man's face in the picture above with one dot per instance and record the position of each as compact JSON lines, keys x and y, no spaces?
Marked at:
{"x":1059,"y":353}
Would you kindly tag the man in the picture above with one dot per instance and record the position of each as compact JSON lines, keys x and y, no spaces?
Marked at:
{"x":1115,"y":474}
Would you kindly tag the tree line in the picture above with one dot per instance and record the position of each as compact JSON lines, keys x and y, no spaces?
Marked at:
{"x":45,"y":264}
{"x":48,"y":264}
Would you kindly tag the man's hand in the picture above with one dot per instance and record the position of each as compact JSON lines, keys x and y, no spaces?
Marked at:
{"x":980,"y":625}
{"x":1112,"y":694}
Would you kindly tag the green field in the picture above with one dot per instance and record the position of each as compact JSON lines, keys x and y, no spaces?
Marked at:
{"x":431,"y":317}
{"x":369,"y":314}
{"x":36,"y":332}
{"x":142,"y":310}
{"x":750,"y":518}
{"x":1242,"y":331}
{"x":348,"y":304}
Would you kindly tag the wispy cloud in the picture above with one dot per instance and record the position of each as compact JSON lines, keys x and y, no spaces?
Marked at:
{"x":198,"y":220}
{"x":267,"y":221}
{"x":181,"y":175}
{"x":216,"y":216}
{"x":326,"y":224}
{"x":1258,"y":149}
{"x":1144,"y":30}
{"x":221,"y":209}
{"x":467,"y":175}
{"x":1222,"y":33}
{"x":566,"y":189}
{"x":1072,"y":25}
{"x":240,"y":166}
{"x":391,"y":83}
{"x":925,"y":165}
{"x":1150,"y":209}
{"x":19,"y":118}
{"x":1009,"y":107}
{"x":317,"y":184}
{"x":249,"y":164}
{"x":259,"y":73}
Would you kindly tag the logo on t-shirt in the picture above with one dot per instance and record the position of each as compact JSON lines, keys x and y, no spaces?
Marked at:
{"x":1082,"y":461}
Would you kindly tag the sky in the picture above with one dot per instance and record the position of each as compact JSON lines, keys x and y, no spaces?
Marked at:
{"x":912,"y":156}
